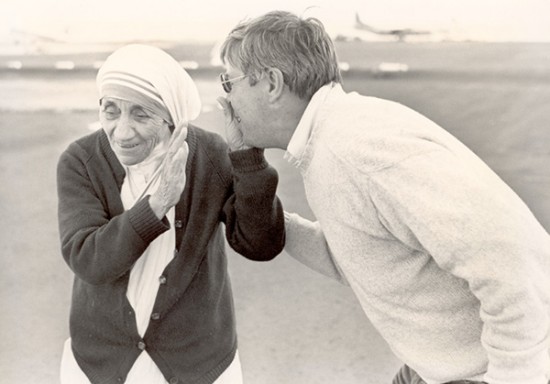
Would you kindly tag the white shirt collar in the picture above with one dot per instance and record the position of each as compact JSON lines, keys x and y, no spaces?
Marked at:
{"x":298,"y":142}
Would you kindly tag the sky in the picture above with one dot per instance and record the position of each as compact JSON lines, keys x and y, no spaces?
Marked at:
{"x":209,"y":20}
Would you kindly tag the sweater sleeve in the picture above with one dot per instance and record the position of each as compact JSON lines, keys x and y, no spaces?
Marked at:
{"x":97,"y":247}
{"x":477,"y":228}
{"x":306,"y":243}
{"x":253,"y":214}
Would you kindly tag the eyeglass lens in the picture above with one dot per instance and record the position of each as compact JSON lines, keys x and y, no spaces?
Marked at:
{"x":226,"y":84}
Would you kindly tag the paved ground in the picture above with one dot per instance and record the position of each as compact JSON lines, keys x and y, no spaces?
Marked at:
{"x":294,"y":326}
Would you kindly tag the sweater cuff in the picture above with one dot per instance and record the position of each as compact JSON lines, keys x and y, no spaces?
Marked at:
{"x":145,"y":222}
{"x":248,"y":160}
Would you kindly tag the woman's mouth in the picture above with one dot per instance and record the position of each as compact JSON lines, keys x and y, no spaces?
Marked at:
{"x":127,"y":145}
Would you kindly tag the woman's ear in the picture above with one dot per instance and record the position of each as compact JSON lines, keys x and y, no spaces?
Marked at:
{"x":276,"y":83}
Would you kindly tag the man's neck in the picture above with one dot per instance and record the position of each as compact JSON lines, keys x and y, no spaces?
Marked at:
{"x":288,"y":118}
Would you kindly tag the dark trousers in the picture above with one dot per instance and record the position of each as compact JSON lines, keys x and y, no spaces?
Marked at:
{"x":407,"y":375}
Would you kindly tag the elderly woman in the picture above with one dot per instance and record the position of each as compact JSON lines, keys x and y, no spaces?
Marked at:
{"x":141,"y":203}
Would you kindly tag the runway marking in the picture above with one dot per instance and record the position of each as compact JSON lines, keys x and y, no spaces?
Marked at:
{"x":65,"y":65}
{"x":14,"y":64}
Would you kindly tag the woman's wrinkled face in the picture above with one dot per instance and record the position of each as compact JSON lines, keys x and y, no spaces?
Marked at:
{"x":133,"y":131}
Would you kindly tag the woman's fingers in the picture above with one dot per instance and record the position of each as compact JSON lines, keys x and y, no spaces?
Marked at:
{"x":176,"y":161}
{"x":178,"y":137}
{"x":177,"y":142}
{"x":179,"y":159}
{"x":173,"y":176}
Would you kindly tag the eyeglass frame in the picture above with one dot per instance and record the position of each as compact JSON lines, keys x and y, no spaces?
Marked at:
{"x":227,"y":83}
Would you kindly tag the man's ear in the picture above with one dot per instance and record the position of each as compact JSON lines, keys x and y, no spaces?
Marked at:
{"x":276,"y":83}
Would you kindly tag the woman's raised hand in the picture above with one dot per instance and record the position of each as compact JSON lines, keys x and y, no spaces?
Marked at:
{"x":172,"y":176}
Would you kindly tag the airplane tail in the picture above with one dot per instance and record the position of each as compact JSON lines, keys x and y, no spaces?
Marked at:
{"x":360,"y":25}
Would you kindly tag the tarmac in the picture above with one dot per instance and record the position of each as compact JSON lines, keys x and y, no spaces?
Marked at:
{"x":294,"y":325}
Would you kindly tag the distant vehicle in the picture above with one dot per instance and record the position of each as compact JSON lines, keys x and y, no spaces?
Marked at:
{"x":400,"y":34}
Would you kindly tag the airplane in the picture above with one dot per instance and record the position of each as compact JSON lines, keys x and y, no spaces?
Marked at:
{"x":24,"y":42}
{"x":400,"y":34}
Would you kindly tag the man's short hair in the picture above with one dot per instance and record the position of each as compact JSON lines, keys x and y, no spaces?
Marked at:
{"x":300,"y":48}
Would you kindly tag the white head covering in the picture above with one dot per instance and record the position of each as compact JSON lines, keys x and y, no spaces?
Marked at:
{"x":149,"y":76}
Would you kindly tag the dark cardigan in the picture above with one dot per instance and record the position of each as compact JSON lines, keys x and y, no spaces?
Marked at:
{"x":191,"y":336}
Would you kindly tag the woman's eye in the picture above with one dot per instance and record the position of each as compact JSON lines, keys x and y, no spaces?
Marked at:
{"x":140,"y":115}
{"x":110,"y":113}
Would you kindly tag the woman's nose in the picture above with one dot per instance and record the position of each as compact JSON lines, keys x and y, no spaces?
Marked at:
{"x":123,"y":129}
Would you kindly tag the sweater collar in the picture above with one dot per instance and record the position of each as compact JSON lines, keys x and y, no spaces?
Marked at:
{"x":296,"y":149}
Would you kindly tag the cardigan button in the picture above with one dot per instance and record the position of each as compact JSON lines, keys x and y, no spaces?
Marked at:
{"x":141,"y":345}
{"x":162,"y":279}
{"x":155,"y":316}
{"x":174,"y":380}
{"x":178,"y":224}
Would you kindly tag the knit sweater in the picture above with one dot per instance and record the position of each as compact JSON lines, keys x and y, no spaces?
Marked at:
{"x":447,"y":262}
{"x":191,"y":336}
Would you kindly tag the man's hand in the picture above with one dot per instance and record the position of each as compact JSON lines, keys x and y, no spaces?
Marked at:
{"x":232,"y":132}
{"x":172,"y":180}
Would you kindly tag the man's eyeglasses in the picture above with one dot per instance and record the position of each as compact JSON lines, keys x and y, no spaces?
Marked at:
{"x":227,"y":83}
